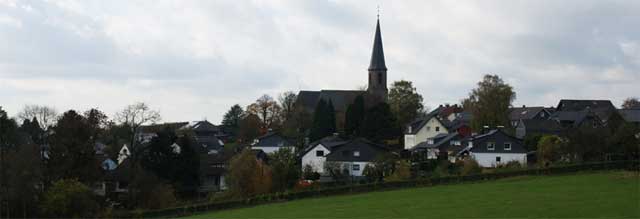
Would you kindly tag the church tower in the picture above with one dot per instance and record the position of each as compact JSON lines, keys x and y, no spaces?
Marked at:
{"x":377,"y":88}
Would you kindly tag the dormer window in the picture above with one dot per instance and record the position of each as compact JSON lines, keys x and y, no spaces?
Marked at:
{"x":507,"y":146}
{"x":356,"y":153}
{"x":491,"y":146}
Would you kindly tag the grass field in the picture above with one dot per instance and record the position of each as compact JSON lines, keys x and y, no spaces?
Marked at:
{"x":584,"y":195}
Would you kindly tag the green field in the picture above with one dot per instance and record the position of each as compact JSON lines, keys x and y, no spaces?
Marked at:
{"x":584,"y":195}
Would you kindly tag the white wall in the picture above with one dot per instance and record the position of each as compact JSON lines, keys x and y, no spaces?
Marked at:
{"x":489,"y":159}
{"x":269,"y":150}
{"x":352,"y":172}
{"x":314,"y":161}
{"x":423,"y":133}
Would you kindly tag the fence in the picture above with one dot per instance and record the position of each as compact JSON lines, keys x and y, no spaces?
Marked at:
{"x":360,"y":188}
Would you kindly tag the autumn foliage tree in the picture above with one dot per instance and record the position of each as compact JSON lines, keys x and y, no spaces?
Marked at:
{"x":248,"y":176}
{"x":268,"y":110}
{"x":490,"y":102}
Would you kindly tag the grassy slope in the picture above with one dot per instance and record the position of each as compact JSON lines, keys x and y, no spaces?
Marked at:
{"x":587,"y":195}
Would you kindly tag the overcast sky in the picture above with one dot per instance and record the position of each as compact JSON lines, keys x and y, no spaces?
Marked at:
{"x":194,"y":59}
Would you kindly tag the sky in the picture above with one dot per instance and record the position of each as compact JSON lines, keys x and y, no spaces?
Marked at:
{"x":193,"y":60}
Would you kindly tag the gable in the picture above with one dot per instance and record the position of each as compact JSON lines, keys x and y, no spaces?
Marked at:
{"x":366,"y":151}
{"x":498,"y":138}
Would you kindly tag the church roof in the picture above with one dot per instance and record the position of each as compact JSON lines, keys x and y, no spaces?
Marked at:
{"x":377,"y":56}
{"x":340,"y":98}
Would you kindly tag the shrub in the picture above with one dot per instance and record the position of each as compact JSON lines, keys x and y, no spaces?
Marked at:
{"x":69,"y":198}
{"x":402,"y":172}
{"x":309,"y":174}
{"x":470,"y":167}
{"x":247,"y":176}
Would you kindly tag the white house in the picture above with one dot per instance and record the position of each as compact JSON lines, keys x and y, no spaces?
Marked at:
{"x":423,"y":129}
{"x":441,"y":121}
{"x":353,"y":156}
{"x":495,"y":148}
{"x":272,"y":142}
{"x":315,"y":154}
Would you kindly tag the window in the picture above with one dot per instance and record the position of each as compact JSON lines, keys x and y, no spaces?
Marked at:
{"x":507,"y":146}
{"x":437,"y":128}
{"x":456,"y":143}
{"x":319,"y":153}
{"x":491,"y":146}
{"x":356,"y":167}
{"x":356,"y":153}
{"x":498,"y":159}
{"x":379,"y":78}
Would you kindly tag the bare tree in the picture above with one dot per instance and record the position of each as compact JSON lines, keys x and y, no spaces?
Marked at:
{"x":46,"y":116}
{"x":287,"y":103}
{"x":135,"y":115}
{"x":631,"y":103}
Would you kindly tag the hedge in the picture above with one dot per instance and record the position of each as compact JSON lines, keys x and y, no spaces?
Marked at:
{"x":361,"y":188}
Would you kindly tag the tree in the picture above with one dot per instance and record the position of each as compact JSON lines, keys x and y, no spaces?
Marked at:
{"x":69,"y":198}
{"x":24,"y":175}
{"x":267,"y":110}
{"x":380,"y":124}
{"x":97,"y":122}
{"x":631,"y":103}
{"x":401,"y":172}
{"x":8,"y":140}
{"x":151,"y":192}
{"x":285,"y":171}
{"x":46,"y":116}
{"x":248,"y":176}
{"x":72,"y":153}
{"x":354,"y":117}
{"x":297,"y":126}
{"x":405,"y":102}
{"x":382,"y":166}
{"x":490,"y":102}
{"x":308,"y":173}
{"x":287,"y":104}
{"x":625,"y":141}
{"x":136,"y":115}
{"x":249,"y":128}
{"x":550,"y":149}
{"x":160,"y":155}
{"x":232,"y":118}
{"x":32,"y":130}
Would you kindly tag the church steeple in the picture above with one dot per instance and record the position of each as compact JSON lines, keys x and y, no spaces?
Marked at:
{"x":377,"y":89}
{"x":377,"y":56}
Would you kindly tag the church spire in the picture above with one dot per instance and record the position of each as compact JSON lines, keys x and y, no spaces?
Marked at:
{"x":377,"y":56}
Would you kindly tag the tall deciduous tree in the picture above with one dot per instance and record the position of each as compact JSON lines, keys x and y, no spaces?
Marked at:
{"x":72,"y":153}
{"x":248,"y":176}
{"x":133,"y":117}
{"x":46,"y":116}
{"x":405,"y":102}
{"x":285,"y":171}
{"x":249,"y":128}
{"x":631,"y":103}
{"x":379,"y":124}
{"x":231,"y":119}
{"x":267,"y":110}
{"x":287,"y":102}
{"x":490,"y":102}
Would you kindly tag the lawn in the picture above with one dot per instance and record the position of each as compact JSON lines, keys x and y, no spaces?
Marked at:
{"x":583,"y":195}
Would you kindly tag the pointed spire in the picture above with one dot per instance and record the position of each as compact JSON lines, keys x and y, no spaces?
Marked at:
{"x":377,"y":56}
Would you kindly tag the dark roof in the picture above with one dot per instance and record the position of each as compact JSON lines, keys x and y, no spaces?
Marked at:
{"x":438,"y":141}
{"x":499,"y":137}
{"x":208,"y":143}
{"x":541,"y":126}
{"x":202,"y":126}
{"x":519,"y":113}
{"x":630,"y":115}
{"x":377,"y":55}
{"x":367,"y":150}
{"x":339,"y":98}
{"x":272,"y":139}
{"x":329,"y":142}
{"x":579,"y":105}
{"x":575,"y":117}
{"x":161,"y":127}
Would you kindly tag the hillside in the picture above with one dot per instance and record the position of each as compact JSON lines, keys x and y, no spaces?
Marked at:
{"x":584,"y":195}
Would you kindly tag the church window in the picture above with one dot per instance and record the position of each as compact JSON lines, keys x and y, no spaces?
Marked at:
{"x":380,"y":78}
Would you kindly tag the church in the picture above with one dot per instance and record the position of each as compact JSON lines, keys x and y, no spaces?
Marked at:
{"x":376,"y":90}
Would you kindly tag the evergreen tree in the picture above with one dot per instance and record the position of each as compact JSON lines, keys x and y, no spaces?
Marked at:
{"x":379,"y":124}
{"x":159,"y":156}
{"x":231,"y":119}
{"x":354,"y":117}
{"x":319,"y":119}
{"x":331,"y":118}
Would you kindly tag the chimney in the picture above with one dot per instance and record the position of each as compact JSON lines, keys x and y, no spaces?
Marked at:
{"x":409,"y":129}
{"x":524,"y":106}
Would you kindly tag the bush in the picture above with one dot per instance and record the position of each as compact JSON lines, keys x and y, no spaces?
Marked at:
{"x":247,"y":176}
{"x":470,"y":167}
{"x":69,"y":198}
{"x":309,"y":174}
{"x":402,"y":172}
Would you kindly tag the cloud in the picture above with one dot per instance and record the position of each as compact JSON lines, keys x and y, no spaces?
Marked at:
{"x":194,"y":59}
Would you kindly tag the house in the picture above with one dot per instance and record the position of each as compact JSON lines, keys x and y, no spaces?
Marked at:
{"x":272,"y":142}
{"x":375,"y":93}
{"x":495,"y":148}
{"x":443,"y":120}
{"x":314,"y":155}
{"x":576,"y":119}
{"x":630,"y":115}
{"x":527,"y":113}
{"x":538,"y":127}
{"x":441,"y":146}
{"x":353,"y":156}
